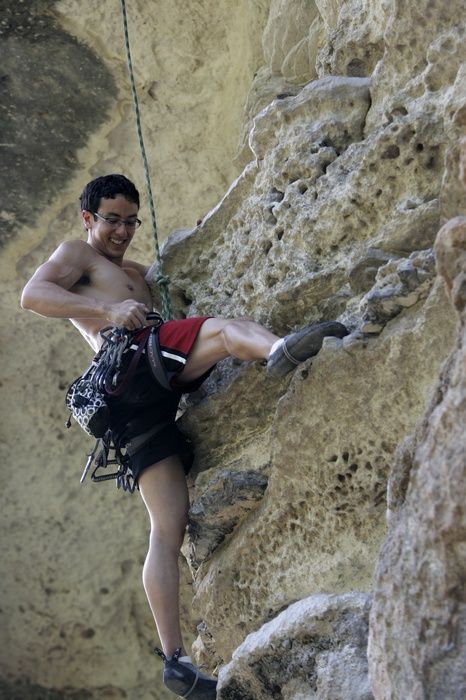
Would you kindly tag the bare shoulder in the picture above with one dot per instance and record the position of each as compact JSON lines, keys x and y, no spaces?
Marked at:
{"x":74,"y":250}
{"x":67,"y":264}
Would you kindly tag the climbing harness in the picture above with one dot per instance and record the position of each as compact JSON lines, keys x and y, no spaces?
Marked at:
{"x":99,"y":458}
{"x":87,"y":396}
{"x":158,"y":277}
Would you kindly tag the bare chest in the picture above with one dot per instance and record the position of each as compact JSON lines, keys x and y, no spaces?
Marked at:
{"x":109,"y":282}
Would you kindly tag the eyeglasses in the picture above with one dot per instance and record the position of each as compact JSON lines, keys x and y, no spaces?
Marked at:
{"x":114,"y":221}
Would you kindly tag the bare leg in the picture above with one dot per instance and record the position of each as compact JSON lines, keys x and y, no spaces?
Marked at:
{"x":164,"y":492}
{"x":163,"y":486}
{"x":219,"y":338}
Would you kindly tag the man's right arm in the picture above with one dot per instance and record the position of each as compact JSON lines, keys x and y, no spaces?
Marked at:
{"x":47,"y":292}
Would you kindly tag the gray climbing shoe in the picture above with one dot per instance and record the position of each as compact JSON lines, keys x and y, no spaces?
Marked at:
{"x":302,"y":345}
{"x":185,"y":679}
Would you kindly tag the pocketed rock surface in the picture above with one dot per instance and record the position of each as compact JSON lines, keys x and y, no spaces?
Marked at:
{"x":419,"y":583}
{"x":318,"y":146}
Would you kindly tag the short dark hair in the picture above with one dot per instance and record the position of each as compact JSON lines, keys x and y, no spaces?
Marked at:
{"x":107,"y":187}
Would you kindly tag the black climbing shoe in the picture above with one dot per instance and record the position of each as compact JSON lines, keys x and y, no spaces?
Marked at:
{"x":302,"y":345}
{"x":185,"y":679}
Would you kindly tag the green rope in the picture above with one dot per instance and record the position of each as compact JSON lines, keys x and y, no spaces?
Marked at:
{"x":159,"y":278}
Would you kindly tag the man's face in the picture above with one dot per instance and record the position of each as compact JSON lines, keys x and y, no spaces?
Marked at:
{"x":111,"y":228}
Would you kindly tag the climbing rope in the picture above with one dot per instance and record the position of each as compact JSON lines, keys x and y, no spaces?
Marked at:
{"x":158,"y":278}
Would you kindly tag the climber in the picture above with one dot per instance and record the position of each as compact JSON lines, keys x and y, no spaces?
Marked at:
{"x":93,"y":285}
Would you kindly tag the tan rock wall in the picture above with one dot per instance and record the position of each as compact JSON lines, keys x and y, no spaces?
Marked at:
{"x":347,"y":180}
{"x":419,"y":584}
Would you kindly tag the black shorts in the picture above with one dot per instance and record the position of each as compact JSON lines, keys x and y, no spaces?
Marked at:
{"x":146,"y":406}
{"x":167,"y":442}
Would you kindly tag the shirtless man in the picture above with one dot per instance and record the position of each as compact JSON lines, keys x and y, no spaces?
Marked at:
{"x":93,"y":285}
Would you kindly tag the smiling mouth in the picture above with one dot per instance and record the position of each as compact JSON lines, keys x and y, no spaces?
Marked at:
{"x":117,"y":242}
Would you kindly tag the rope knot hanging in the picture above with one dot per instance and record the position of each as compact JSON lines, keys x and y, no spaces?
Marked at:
{"x":158,"y":278}
{"x":161,"y":279}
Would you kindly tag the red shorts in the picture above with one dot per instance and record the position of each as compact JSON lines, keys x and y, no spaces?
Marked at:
{"x":177,"y":339}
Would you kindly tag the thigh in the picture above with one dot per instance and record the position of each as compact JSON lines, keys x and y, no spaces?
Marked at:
{"x":208,"y":349}
{"x":165,"y":493}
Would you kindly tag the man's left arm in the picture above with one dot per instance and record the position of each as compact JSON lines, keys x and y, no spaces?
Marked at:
{"x":142,"y":269}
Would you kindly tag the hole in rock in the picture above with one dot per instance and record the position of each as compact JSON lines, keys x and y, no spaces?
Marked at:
{"x":302,"y":188}
{"x":341,"y":477}
{"x":266,"y":246}
{"x":356,"y":68}
{"x":276,"y":195}
{"x":419,"y":147}
{"x":391,"y":152}
{"x":345,"y":456}
{"x":342,"y":506}
{"x":354,"y":468}
{"x":88,"y":633}
{"x":279,"y":234}
{"x":333,"y":458}
{"x":271,"y":281}
{"x":368,"y":466}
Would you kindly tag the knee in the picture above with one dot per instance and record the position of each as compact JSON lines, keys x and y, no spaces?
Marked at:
{"x":168,"y":536}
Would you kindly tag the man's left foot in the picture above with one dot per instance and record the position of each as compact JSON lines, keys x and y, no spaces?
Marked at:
{"x":301,"y":345}
{"x":185,"y":679}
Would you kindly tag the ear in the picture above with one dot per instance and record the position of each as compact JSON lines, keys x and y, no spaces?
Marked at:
{"x":87,"y":219}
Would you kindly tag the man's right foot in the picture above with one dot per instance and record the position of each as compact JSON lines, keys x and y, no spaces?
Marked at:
{"x":185,"y":679}
{"x":301,"y":345}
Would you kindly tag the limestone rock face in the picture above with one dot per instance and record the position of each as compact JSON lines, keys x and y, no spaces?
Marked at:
{"x":315,"y":650}
{"x":326,"y":136}
{"x":419,"y":585}
{"x":320,"y":523}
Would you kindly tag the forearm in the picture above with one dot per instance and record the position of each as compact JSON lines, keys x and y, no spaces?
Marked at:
{"x":51,"y":300}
